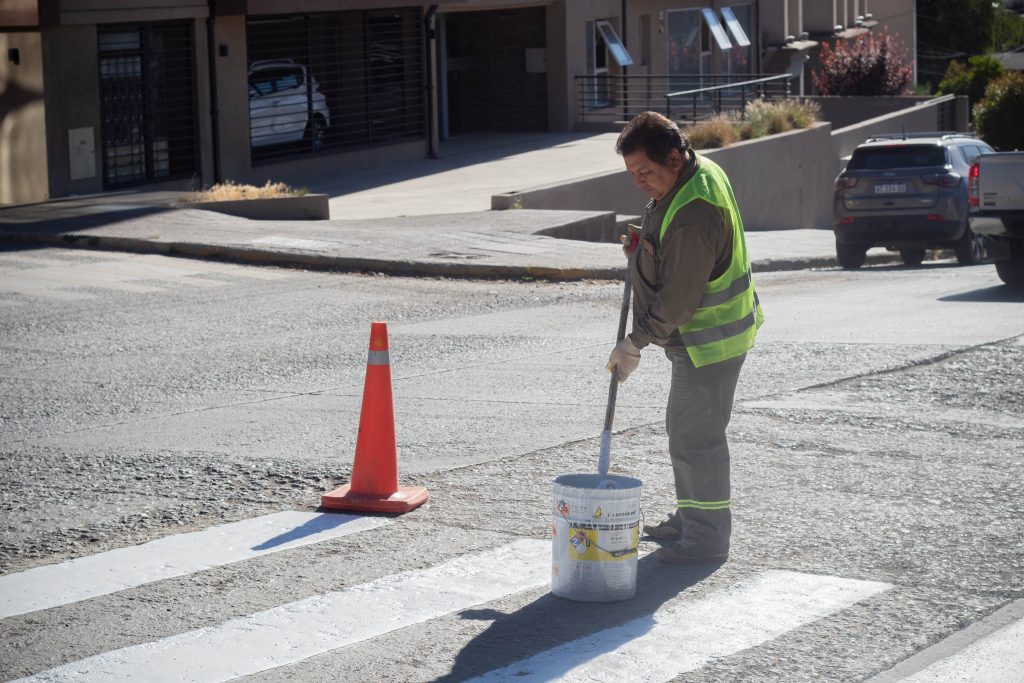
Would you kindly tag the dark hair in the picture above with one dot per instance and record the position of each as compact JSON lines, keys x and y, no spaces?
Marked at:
{"x":653,"y":133}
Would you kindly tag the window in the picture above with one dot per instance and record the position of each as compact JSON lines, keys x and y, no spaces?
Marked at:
{"x":897,"y":156}
{"x":735,"y":28}
{"x":602,"y":42}
{"x":687,"y":47}
{"x":739,"y":60}
{"x":716,"y":29}
{"x":615,"y":47}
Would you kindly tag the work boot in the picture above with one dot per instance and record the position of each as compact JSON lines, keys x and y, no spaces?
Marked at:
{"x":685,"y":551}
{"x":671,"y":529}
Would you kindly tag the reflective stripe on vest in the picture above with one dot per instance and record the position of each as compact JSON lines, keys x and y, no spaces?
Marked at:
{"x":729,"y":314}
{"x":737,"y":287}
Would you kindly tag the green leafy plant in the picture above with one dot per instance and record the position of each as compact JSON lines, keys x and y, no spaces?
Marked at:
{"x":998,"y":116}
{"x":1008,"y":30}
{"x":970,"y":79}
{"x":870,"y":64}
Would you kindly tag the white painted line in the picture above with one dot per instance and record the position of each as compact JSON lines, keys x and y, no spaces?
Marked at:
{"x":996,"y":658}
{"x":88,"y":577}
{"x":689,"y":633}
{"x":290,"y":633}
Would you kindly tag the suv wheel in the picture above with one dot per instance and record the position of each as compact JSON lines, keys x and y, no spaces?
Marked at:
{"x":970,"y":249}
{"x":912,"y":257}
{"x":851,"y":256}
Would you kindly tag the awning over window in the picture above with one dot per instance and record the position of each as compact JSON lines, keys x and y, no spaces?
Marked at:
{"x":615,"y":47}
{"x":735,"y":29}
{"x":716,"y":29}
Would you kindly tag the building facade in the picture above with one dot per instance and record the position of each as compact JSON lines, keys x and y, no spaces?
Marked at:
{"x":104,"y":95}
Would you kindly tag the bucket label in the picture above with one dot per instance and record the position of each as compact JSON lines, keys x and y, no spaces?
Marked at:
{"x":602,"y":545}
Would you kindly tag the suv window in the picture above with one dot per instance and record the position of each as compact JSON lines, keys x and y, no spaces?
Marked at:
{"x":897,"y":156}
{"x":972,"y":152}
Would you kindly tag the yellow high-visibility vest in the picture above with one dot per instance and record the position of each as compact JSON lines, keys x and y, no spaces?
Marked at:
{"x":729,"y":314}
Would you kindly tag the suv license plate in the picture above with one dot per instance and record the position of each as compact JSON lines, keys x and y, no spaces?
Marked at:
{"x":890,"y":188}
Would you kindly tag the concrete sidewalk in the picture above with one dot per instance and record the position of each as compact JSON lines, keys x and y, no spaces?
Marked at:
{"x":427,"y":217}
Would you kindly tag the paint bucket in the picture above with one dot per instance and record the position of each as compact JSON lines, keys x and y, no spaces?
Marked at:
{"x":595,"y":534}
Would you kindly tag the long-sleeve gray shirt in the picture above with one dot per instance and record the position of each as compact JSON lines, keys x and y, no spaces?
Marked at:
{"x":670,"y":274}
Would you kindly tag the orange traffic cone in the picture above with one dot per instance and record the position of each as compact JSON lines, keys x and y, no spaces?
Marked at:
{"x":374,"y":485}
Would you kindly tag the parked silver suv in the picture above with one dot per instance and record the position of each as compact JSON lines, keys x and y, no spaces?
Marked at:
{"x":907,"y":192}
{"x":285,"y":104}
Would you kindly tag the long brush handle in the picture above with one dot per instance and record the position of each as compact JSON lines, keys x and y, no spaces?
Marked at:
{"x":613,"y":384}
{"x":605,"y":455}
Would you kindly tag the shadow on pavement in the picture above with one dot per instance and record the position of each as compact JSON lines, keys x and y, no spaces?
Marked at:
{"x":454,"y":154}
{"x":996,"y":294}
{"x":550,"y":622}
{"x":37,"y":228}
{"x":324,"y":522}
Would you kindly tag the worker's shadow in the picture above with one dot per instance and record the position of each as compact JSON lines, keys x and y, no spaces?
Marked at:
{"x":549,"y":622}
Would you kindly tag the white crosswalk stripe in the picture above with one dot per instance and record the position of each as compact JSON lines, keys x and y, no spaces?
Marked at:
{"x":727,"y":621}
{"x":103,"y":573}
{"x":296,"y":631}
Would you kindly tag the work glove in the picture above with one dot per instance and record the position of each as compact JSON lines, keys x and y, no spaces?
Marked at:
{"x":630,"y":240}
{"x":626,"y":357}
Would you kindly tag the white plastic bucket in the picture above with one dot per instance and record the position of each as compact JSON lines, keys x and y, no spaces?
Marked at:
{"x":595,"y":535}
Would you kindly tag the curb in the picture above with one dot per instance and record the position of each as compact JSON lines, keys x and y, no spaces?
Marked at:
{"x":255,"y":256}
{"x":395,"y":267}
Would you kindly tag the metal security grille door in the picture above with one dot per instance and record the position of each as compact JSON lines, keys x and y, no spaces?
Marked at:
{"x":339,"y":80}
{"x":147,"y":103}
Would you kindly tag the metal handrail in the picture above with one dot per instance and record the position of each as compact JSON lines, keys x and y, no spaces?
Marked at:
{"x":613,"y":98}
{"x":716,"y":89}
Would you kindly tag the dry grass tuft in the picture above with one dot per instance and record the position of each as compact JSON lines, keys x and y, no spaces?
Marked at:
{"x":718,"y":131}
{"x":230,"y":191}
{"x":779,"y":116}
{"x":759,"y":118}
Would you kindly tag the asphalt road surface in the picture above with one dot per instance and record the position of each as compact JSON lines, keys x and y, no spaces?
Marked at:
{"x":169,"y":425}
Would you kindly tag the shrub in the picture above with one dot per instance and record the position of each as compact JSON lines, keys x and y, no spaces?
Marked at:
{"x":998,"y":115}
{"x":231,"y":190}
{"x":766,"y":118}
{"x":763,"y":117}
{"x":970,"y":80}
{"x":718,"y":131}
{"x":869,"y":64}
{"x":778,"y":116}
{"x":1008,"y":29}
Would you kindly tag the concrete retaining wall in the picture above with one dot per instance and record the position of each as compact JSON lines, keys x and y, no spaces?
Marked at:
{"x":781,"y":182}
{"x":307,"y":207}
{"x":775,"y":181}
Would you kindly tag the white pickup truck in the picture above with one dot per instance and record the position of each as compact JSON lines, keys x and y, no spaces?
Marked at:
{"x":995,"y":191}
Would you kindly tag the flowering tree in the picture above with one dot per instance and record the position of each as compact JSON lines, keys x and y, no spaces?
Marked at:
{"x":866,"y":65}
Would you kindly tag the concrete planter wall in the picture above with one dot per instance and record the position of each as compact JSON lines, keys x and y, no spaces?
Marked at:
{"x":781,"y":181}
{"x":309,"y":207}
{"x":775,"y":180}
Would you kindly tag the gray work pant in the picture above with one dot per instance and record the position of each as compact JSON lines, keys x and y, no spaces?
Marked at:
{"x":699,"y":407}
